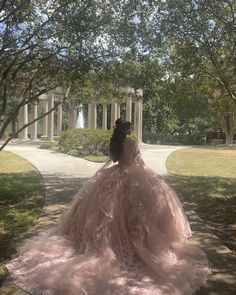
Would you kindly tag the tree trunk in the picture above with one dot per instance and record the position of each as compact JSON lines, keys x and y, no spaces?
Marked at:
{"x":14,"y":127}
{"x":3,"y":128}
{"x":229,"y":125}
{"x":229,"y":138}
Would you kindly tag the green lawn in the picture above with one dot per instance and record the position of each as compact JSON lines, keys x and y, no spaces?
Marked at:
{"x":207,"y":178}
{"x":21,"y":200}
{"x":73,"y":152}
{"x":97,"y":159}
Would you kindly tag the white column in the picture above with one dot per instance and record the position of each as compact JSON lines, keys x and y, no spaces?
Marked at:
{"x":137,"y":120}
{"x":118,"y":110}
{"x":93,"y":115}
{"x":59,"y":119}
{"x":34,"y":127}
{"x":45,"y":119}
{"x":128,"y":116}
{"x":24,"y":120}
{"x":89,"y":115}
{"x":72,"y":117}
{"x":113,"y":113}
{"x":138,"y":114}
{"x":51,"y":118}
{"x":141,"y":121}
{"x":20,"y":120}
{"x":135,"y":117}
{"x":104,"y":117}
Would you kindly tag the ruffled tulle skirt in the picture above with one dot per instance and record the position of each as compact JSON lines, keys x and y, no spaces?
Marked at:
{"x":125,"y":233}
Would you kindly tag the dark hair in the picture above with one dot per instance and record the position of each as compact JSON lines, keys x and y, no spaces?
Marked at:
{"x":117,"y":139}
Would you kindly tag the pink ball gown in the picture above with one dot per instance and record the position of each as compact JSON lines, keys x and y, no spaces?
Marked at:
{"x":124,"y":234}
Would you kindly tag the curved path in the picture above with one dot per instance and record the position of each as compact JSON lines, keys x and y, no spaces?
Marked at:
{"x":63,"y":176}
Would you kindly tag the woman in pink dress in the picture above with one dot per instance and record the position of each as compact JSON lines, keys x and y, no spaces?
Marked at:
{"x":125,"y":233}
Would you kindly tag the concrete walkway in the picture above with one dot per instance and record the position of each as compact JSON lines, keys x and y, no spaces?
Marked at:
{"x":63,"y":176}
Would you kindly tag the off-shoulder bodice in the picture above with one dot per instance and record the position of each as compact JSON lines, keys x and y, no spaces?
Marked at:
{"x":131,"y":153}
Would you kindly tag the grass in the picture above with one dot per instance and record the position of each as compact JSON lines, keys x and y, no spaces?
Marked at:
{"x":207,"y":178}
{"x":97,"y":159}
{"x":74,"y":152}
{"x":21,"y":200}
{"x":201,"y":161}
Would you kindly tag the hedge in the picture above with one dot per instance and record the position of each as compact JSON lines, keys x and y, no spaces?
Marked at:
{"x":84,"y":142}
{"x":181,"y":139}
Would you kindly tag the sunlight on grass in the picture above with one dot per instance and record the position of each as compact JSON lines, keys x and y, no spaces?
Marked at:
{"x":216,"y":162}
{"x":98,"y":159}
{"x":9,"y":164}
{"x":21,"y":200}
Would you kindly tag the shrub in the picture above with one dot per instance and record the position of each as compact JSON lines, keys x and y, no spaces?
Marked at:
{"x":74,"y":152}
{"x":181,"y":139}
{"x":48,"y":145}
{"x":85,"y":141}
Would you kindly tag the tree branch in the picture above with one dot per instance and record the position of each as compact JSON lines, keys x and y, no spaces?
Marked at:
{"x":219,"y":70}
{"x":16,"y":51}
{"x":14,"y":11}
{"x":213,"y":76}
{"x":41,"y":26}
{"x":3,"y":5}
{"x":222,"y":19}
{"x":4,"y":104}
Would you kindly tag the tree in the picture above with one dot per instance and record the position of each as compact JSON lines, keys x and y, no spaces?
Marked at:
{"x":224,"y":113}
{"x":196,"y":38}
{"x":208,"y":29}
{"x":45,"y":45}
{"x":159,"y":117}
{"x":178,"y":105}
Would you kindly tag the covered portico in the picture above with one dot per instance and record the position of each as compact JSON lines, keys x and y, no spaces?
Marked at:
{"x":51,"y":125}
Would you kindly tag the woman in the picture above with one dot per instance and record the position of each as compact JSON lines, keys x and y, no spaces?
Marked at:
{"x":125,"y":233}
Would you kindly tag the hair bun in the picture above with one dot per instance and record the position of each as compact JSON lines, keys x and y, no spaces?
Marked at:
{"x":118,"y":122}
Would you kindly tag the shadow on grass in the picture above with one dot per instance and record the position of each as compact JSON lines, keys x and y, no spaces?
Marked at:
{"x":214,"y":200}
{"x":21,"y":201}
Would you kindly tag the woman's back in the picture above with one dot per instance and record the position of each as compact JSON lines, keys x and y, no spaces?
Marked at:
{"x":130,"y":153}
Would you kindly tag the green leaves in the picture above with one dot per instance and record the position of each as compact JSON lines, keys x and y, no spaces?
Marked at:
{"x":45,"y":45}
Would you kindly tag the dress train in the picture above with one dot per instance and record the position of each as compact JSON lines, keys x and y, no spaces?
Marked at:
{"x":124,"y":234}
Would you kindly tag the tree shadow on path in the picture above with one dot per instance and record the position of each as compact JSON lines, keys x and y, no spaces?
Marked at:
{"x":60,"y":191}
